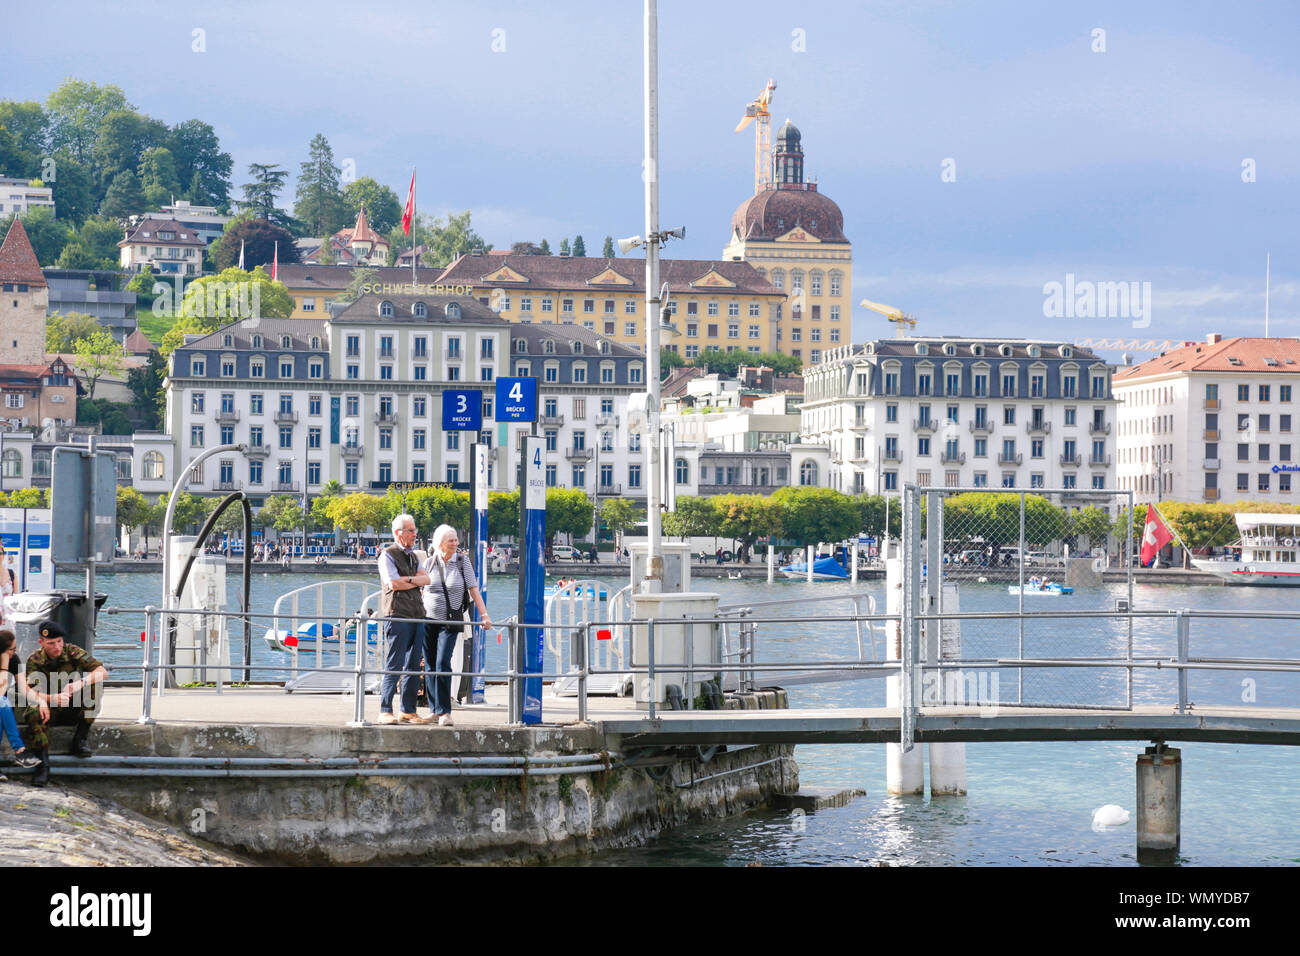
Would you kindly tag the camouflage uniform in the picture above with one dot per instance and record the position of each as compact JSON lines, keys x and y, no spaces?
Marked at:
{"x":73,"y":664}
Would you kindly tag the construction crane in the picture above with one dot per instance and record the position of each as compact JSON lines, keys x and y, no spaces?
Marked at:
{"x":897,"y":316}
{"x":1134,"y":345}
{"x":758,"y":110}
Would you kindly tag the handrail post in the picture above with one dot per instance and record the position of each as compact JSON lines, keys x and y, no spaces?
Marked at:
{"x":515,"y":709}
{"x":1184,"y":640}
{"x":650,"y":649}
{"x":583,"y":636}
{"x":690,"y":665}
{"x":146,"y":677}
{"x":359,"y":687}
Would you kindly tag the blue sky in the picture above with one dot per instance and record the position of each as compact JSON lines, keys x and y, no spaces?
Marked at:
{"x":1122,"y":165}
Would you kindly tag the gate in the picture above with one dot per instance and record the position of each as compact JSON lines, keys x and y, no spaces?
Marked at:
{"x":1035,"y":604}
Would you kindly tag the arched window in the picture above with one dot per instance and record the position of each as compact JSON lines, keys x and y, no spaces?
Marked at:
{"x":548,"y":347}
{"x":41,"y":464}
{"x":577,"y":348}
{"x":808,"y":473}
{"x":521,"y":345}
{"x":453,"y":310}
{"x":315,"y":341}
{"x":778,"y":278}
{"x":286,"y":342}
{"x":420,"y":310}
{"x":257,"y":340}
{"x":153,"y":466}
{"x":122,"y":464}
{"x":11,"y":466}
{"x":683,"y":468}
{"x":604,"y":346}
{"x":227,"y":341}
{"x":386,"y":309}
{"x":815,"y":282}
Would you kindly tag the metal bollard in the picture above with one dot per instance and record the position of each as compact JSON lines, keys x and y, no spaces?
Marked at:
{"x":359,"y":688}
{"x":583,"y":635}
{"x":1184,"y":646}
{"x":650,"y":641}
{"x":146,"y":669}
{"x":513,"y":686}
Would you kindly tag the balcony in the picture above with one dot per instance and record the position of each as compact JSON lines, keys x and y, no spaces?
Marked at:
{"x":1210,"y":464}
{"x":353,"y":451}
{"x":610,"y":489}
{"x":1211,"y":405}
{"x":1072,"y":461}
{"x":951,"y":459}
{"x":231,"y":485}
{"x":452,"y":355}
{"x":1099,"y":428}
{"x":924,"y":424}
{"x":1011,"y":459}
{"x":981,"y":427}
{"x":860,"y":459}
{"x":257,"y":451}
{"x":1210,"y":434}
{"x":554,"y":420}
{"x":1099,"y":462}
{"x":893,"y":456}
{"x":286,"y":418}
{"x":1211,"y":494}
{"x":385,"y":418}
{"x":227,"y":416}
{"x":579,"y":454}
{"x":606,"y":421}
{"x":285,"y":486}
{"x":860,"y":424}
{"x":1038,"y":428}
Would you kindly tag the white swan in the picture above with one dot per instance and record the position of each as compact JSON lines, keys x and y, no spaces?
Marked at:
{"x":1109,"y":816}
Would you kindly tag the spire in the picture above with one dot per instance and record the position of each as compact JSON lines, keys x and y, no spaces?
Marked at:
{"x":18,"y":261}
{"x":787,"y":158}
{"x":362,"y":232}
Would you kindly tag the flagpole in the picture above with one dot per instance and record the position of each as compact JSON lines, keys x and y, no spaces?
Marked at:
{"x":414,"y":254}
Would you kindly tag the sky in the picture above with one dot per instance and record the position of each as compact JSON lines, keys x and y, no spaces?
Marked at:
{"x":979,"y":152}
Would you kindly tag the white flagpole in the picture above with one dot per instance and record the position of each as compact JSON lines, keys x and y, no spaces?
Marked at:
{"x":414,"y":255}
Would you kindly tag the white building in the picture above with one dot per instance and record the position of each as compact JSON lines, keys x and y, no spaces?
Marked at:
{"x":163,"y":244}
{"x":957,"y":412}
{"x":19,"y":195}
{"x":207,"y":221}
{"x":1211,"y":421}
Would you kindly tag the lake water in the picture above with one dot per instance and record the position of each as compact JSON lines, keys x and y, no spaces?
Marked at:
{"x":1028,"y":803}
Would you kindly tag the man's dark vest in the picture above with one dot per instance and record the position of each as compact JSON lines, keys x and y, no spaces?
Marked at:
{"x":406,"y":603}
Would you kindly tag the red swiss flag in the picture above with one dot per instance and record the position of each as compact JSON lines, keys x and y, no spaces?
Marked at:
{"x":1155,"y":536}
{"x":409,"y":212}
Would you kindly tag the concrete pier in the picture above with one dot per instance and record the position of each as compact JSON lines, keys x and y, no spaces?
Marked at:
{"x":1159,"y":804}
{"x":904,"y":772}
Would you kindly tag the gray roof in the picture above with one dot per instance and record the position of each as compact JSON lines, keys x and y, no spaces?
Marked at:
{"x":564,"y":336}
{"x":1018,"y":348}
{"x":300,"y":332}
{"x":366,"y":309}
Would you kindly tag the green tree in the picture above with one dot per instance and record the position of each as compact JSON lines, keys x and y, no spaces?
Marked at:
{"x":813,"y":515}
{"x":319,"y":204}
{"x":47,"y":234}
{"x":503,"y":514}
{"x":29,"y":498}
{"x":201,"y":164}
{"x":125,"y":196}
{"x":429,"y":507}
{"x":694,"y":517}
{"x":669,"y":360}
{"x":63,"y":331}
{"x":579,"y":248}
{"x":190,"y":511}
{"x":1090,"y":522}
{"x":260,"y":195}
{"x":123,"y":136}
{"x":720,"y":362}
{"x":234,"y":294}
{"x":568,"y":511}
{"x":383,"y":209}
{"x":22,"y":138}
{"x":97,"y":355}
{"x":146,"y":384}
{"x":444,"y":240}
{"x":544,"y":248}
{"x":361,"y":278}
{"x":608,"y":250}
{"x":746,"y":518}
{"x":320,"y":505}
{"x":525,"y":249}
{"x":281,"y":512}
{"x":74,"y":191}
{"x":778,"y":363}
{"x":157,"y":172}
{"x":872,"y":510}
{"x":75,"y":255}
{"x":564,"y":247}
{"x":357,"y":512}
{"x":620,"y":515}
{"x":132,"y":508}
{"x":76,"y":110}
{"x":262,"y":242}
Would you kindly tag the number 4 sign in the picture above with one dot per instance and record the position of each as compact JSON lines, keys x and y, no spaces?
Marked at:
{"x":516,"y":400}
{"x":462,"y":410}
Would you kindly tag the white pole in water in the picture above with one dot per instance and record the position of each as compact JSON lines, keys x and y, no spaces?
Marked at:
{"x":811,"y":549}
{"x":904,"y":772}
{"x":853,"y":573}
{"x":948,"y":760}
{"x":771,"y":562}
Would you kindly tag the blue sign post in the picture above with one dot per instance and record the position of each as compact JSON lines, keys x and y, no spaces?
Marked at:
{"x":479,"y":537}
{"x":462,"y":410}
{"x":516,"y":400}
{"x":532,"y":573}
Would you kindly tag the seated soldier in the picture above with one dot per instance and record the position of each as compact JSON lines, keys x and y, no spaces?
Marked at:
{"x":61,"y":677}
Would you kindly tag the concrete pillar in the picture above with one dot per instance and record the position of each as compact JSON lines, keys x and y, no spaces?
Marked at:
{"x":948,"y":760}
{"x":1159,"y":804}
{"x":771,"y":562}
{"x":811,"y":552}
{"x":853,"y":572}
{"x":904,"y":772}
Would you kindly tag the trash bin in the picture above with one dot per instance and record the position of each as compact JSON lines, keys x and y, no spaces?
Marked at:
{"x":69,"y":609}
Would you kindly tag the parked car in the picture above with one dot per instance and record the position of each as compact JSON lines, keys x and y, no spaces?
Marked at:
{"x":566,"y":552}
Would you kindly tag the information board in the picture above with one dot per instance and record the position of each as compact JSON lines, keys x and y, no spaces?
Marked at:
{"x":462,"y":410}
{"x":516,"y":400}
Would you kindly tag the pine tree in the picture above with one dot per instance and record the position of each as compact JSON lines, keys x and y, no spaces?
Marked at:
{"x":608,"y":251}
{"x":545,"y":247}
{"x":125,"y":196}
{"x":564,"y":247}
{"x":319,"y":204}
{"x":579,"y":248}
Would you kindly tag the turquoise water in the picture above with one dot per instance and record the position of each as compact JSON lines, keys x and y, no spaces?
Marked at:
{"x":1028,"y":803}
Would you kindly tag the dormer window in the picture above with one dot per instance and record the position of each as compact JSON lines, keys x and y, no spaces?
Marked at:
{"x":315,"y":341}
{"x":977,"y":350}
{"x":386,"y":309}
{"x":286,"y":342}
{"x":577,"y":348}
{"x":227,"y":341}
{"x":521,"y":346}
{"x":950,"y":350}
{"x":1035,"y":351}
{"x":548,"y":347}
{"x":1067,"y":352}
{"x":922,"y":348}
{"x":419,"y":310}
{"x":257,"y":341}
{"x":1004,"y":350}
{"x":452,"y":310}
{"x":604,"y":346}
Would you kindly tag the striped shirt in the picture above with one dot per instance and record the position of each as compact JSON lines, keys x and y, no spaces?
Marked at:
{"x":459,"y":576}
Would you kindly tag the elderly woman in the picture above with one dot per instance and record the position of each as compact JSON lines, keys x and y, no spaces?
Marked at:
{"x":452,"y":585}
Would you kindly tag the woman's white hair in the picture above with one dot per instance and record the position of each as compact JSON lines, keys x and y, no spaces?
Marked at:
{"x":439,"y":535}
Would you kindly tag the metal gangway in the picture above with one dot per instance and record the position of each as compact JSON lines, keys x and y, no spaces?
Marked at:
{"x":567,"y":610}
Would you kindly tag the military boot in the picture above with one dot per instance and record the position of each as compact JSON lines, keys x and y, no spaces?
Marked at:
{"x":41,"y":775}
{"x":79,"y":746}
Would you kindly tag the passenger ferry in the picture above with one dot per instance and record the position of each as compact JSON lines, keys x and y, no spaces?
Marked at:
{"x":1269,"y":545}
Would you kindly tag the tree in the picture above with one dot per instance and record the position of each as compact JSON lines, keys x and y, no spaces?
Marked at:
{"x":619,"y":515}
{"x":444,"y":240}
{"x":47,"y":234}
{"x":157,"y":172}
{"x":544,"y":249}
{"x":320,"y":505}
{"x":429,"y":507}
{"x":361,"y":278}
{"x":720,"y":362}
{"x":383,"y":208}
{"x":99,"y":237}
{"x":872,"y":510}
{"x":75,"y":255}
{"x":22,"y":137}
{"x":694,"y":517}
{"x":133,"y":511}
{"x":122,"y":137}
{"x":234,"y":294}
{"x":564,"y":247}
{"x":75,"y":110}
{"x":608,"y":250}
{"x":568,"y":511}
{"x":190,"y":510}
{"x":669,"y":360}
{"x":813,"y":515}
{"x":63,"y":331}
{"x":29,"y":498}
{"x":746,"y":518}
{"x":146,"y":385}
{"x":97,"y":355}
{"x":201,"y":164}
{"x":125,"y":196}
{"x":1090,"y":522}
{"x":261,"y":239}
{"x":261,"y":193}
{"x":1207,"y":525}
{"x":778,"y":363}
{"x":525,"y":249}
{"x":357,"y":512}
{"x":73,"y":189}
{"x":503,"y":514}
{"x":579,"y":248}
{"x":319,"y":204}
{"x":281,"y":512}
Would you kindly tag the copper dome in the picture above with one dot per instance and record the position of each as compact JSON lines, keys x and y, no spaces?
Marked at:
{"x":774,"y":212}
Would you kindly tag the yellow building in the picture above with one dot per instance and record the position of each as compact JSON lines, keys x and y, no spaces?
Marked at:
{"x":793,"y":236}
{"x":723,"y":305}
{"x":312,"y":286}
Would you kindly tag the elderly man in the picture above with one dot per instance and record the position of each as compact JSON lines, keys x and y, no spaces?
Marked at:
{"x":400,"y":580}
{"x":61,"y":677}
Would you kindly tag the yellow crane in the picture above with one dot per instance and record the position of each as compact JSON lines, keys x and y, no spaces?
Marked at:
{"x":758,"y":110}
{"x":897,"y":316}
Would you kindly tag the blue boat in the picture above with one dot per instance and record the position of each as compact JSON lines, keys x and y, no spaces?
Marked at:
{"x":1052,"y":590}
{"x":824,"y":569}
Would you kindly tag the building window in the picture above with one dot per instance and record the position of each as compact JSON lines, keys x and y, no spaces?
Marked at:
{"x":254,"y":472}
{"x":286,"y":368}
{"x":198,"y":366}
{"x":808,"y":474}
{"x":313,"y":437}
{"x":196,"y":436}
{"x":351,"y":473}
{"x":683,"y":471}
{"x":286,"y":436}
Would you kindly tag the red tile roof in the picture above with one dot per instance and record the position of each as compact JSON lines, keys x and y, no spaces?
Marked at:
{"x":1250,"y":355}
{"x":18,"y":261}
{"x":137,"y":343}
